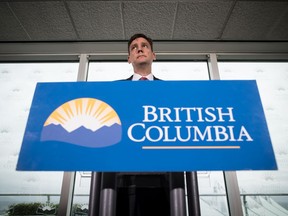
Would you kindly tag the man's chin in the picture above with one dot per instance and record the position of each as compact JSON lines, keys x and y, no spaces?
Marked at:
{"x":141,"y":57}
{"x":144,"y":62}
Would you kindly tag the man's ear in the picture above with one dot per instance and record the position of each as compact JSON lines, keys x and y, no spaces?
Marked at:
{"x":154,"y":56}
{"x":128,"y":59}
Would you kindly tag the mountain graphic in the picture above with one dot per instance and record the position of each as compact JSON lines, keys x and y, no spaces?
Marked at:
{"x":104,"y":136}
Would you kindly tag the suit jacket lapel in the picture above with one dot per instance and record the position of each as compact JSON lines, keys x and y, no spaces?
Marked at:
{"x":131,"y":77}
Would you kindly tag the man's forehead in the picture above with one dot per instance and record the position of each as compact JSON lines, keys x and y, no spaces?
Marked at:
{"x":139,"y":40}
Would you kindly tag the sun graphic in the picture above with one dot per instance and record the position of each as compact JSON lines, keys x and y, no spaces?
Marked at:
{"x":86,"y":122}
{"x":87,"y":112}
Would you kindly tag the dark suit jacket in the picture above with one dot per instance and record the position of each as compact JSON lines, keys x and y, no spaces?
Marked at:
{"x":131,"y":77}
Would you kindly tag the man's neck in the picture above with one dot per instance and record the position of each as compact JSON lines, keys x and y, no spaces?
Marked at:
{"x":143,"y":71}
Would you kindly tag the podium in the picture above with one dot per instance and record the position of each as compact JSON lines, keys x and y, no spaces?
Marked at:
{"x":198,"y":125}
{"x":107,"y":193}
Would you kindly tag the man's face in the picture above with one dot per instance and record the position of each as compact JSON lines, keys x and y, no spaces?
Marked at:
{"x":140,"y":52}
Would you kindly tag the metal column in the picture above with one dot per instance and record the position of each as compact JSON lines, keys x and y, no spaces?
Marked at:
{"x":107,"y":205}
{"x":233,"y":194}
{"x":66,"y":194}
{"x":193,"y":194}
{"x":66,"y":197}
{"x":83,"y":67}
{"x":177,"y":194}
{"x":230,"y":178}
{"x":95,"y":189}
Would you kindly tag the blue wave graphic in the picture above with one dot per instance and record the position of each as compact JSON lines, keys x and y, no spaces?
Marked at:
{"x":105,"y":136}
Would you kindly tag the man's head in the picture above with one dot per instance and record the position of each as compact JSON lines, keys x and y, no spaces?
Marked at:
{"x":135,"y":36}
{"x":140,"y":51}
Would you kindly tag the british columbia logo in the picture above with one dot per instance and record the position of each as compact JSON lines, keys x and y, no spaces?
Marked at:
{"x":85,"y":122}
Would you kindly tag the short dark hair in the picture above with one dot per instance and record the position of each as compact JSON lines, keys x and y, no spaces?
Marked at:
{"x":140,"y":35}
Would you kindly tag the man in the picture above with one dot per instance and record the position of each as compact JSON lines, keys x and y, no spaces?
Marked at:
{"x":144,"y":194}
{"x":141,"y":56}
{"x":141,"y":194}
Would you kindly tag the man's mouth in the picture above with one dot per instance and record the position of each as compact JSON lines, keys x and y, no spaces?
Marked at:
{"x":140,"y":56}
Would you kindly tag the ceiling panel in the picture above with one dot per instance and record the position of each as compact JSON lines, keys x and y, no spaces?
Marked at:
{"x":253,"y":20}
{"x":44,"y":20}
{"x":10,"y":28}
{"x":96,"y":20}
{"x":152,"y":18}
{"x":110,"y":20}
{"x":201,"y":20}
{"x":279,"y":31}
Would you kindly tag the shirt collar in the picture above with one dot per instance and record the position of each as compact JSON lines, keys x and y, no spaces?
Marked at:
{"x":138,"y":76}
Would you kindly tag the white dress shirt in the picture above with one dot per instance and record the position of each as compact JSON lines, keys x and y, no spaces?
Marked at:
{"x":136,"y":77}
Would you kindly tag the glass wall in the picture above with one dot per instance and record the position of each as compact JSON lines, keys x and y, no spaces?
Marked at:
{"x":212,"y":193}
{"x":262,"y":192}
{"x":109,"y":71}
{"x":81,"y":193}
{"x":37,"y":191}
{"x":266,"y":192}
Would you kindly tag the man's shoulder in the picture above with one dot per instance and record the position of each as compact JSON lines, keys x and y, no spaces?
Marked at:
{"x":127,"y":79}
{"x":155,"y":78}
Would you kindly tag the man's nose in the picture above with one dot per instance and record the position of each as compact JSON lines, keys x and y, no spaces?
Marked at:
{"x":140,"y":50}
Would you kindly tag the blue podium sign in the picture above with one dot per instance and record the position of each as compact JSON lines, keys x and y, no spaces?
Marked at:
{"x":146,"y":126}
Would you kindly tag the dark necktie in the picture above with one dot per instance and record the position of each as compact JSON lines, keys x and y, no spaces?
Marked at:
{"x":143,"y":79}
